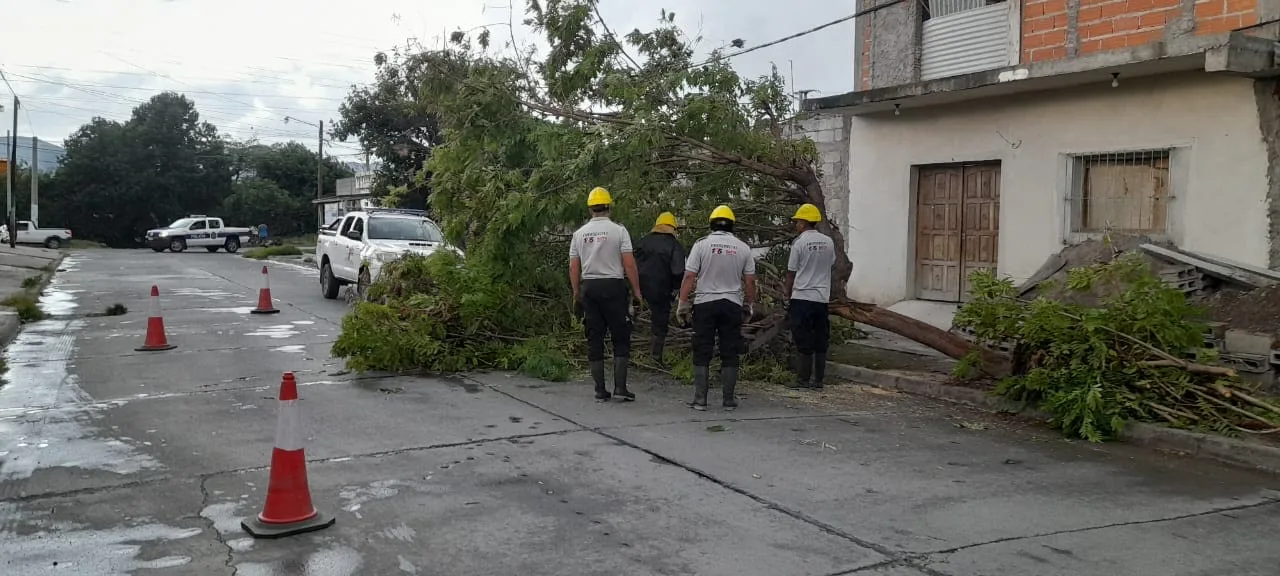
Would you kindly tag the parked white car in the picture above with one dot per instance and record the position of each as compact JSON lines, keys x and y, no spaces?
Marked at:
{"x":354,"y":251}
{"x":29,"y":233}
{"x":195,"y":231}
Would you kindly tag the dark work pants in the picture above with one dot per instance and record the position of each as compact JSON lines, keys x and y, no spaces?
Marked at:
{"x":660,"y":309}
{"x":717,"y":319}
{"x":604,"y":304}
{"x":810,"y":326}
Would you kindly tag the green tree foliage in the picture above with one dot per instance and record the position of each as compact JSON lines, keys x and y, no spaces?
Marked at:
{"x":525,"y":138}
{"x":276,"y":184}
{"x":1093,"y":368}
{"x":391,"y":122}
{"x":119,"y":179}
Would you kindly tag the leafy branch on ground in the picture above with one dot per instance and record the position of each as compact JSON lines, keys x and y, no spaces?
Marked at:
{"x":1094,"y":368}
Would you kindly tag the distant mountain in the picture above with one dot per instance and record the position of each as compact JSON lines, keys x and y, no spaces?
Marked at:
{"x":357,"y":167}
{"x":50,"y":153}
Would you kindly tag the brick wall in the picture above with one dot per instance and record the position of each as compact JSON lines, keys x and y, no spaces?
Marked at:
{"x":1215,"y":16}
{"x":1054,"y":29}
{"x":1044,"y":30}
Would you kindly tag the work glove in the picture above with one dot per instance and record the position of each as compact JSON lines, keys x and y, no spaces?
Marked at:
{"x":748,"y":312}
{"x":684,"y":313}
{"x":577,"y":310}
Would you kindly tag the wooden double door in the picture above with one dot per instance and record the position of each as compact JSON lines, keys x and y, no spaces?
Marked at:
{"x":957,"y":227}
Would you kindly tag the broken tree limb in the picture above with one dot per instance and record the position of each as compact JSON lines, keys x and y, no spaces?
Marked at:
{"x":1192,"y":367}
{"x":990,"y":362}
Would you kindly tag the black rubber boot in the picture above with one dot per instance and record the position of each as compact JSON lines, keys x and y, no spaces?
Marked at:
{"x":656,"y":352}
{"x":819,"y":368}
{"x":699,"y":388}
{"x":597,"y":374}
{"x":804,"y":366}
{"x":620,"y":366}
{"x":729,"y":381}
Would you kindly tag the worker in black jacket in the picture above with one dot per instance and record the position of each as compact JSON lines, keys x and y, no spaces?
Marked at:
{"x":660,"y":259}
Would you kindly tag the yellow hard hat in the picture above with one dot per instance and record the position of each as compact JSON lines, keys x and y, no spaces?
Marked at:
{"x":808,"y":213}
{"x":666,"y":219}
{"x":723,"y":211}
{"x":599,"y":197}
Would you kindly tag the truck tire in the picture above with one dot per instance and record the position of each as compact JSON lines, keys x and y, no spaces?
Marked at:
{"x":232,"y":245}
{"x":53,"y":242}
{"x":177,"y":245}
{"x":329,"y":285}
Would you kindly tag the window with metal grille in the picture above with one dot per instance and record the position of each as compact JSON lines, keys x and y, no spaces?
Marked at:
{"x":1120,"y":192}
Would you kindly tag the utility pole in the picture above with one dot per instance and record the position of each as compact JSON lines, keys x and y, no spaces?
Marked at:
{"x":13,"y":168}
{"x":35,"y":181}
{"x":319,"y":166}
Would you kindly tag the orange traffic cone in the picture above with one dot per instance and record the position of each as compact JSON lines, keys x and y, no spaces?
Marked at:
{"x":264,"y":296}
{"x":288,"y":509}
{"x":156,"y":340}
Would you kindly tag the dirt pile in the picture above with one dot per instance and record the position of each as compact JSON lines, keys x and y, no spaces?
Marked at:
{"x":1256,"y":310}
{"x":1050,"y":280}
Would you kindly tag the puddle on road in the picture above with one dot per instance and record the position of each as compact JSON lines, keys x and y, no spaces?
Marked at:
{"x":336,"y":561}
{"x":292,"y":349}
{"x":277,"y":332}
{"x":210,"y":294}
{"x":49,"y":418}
{"x":107,"y":552}
{"x":236,"y":310}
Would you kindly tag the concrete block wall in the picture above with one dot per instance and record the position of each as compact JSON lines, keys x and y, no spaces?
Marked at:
{"x":830,"y":133}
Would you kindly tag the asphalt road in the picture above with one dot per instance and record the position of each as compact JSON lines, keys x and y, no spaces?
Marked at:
{"x":120,"y":462}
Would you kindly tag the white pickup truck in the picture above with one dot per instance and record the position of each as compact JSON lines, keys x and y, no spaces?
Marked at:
{"x":195,"y":231}
{"x":354,"y":249}
{"x":29,"y":233}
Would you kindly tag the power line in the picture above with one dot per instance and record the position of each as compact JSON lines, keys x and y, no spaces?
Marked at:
{"x":210,"y":92}
{"x":802,"y":33}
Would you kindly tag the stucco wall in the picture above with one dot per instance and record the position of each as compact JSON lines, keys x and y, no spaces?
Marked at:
{"x":1218,"y":177}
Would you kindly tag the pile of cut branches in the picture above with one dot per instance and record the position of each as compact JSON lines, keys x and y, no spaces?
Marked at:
{"x":1093,"y":369}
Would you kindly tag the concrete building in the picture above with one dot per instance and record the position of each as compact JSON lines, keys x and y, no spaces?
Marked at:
{"x":991,"y":133}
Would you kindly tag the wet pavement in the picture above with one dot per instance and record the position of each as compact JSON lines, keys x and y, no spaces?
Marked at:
{"x":121,"y":462}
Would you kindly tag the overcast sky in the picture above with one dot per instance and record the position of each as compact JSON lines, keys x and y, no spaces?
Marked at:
{"x":249,"y":63}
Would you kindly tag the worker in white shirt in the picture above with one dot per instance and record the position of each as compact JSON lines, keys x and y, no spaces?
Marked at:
{"x":600,"y":267}
{"x":808,"y":286}
{"x":723,"y":271}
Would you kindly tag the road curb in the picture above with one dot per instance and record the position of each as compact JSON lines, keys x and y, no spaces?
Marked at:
{"x":10,"y":325}
{"x":1196,"y":444}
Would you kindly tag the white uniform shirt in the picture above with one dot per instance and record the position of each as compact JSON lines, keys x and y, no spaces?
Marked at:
{"x":721,"y":261}
{"x":600,"y":244}
{"x":813,"y":254}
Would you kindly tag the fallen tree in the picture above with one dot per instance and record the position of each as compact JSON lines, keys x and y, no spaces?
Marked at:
{"x":525,"y":137}
{"x":1138,"y":355}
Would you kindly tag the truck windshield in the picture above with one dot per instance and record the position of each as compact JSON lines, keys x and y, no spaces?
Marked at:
{"x":182,"y":223}
{"x":412,"y":229}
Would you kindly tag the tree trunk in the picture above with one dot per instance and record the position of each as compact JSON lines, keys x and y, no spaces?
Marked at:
{"x":990,"y":362}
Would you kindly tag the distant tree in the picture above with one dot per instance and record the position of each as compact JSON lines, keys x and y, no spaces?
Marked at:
{"x":261,"y":201}
{"x":119,"y":179}
{"x":393,"y":124}
{"x":291,"y":166}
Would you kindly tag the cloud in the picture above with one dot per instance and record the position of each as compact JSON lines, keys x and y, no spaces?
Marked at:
{"x":249,"y":63}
